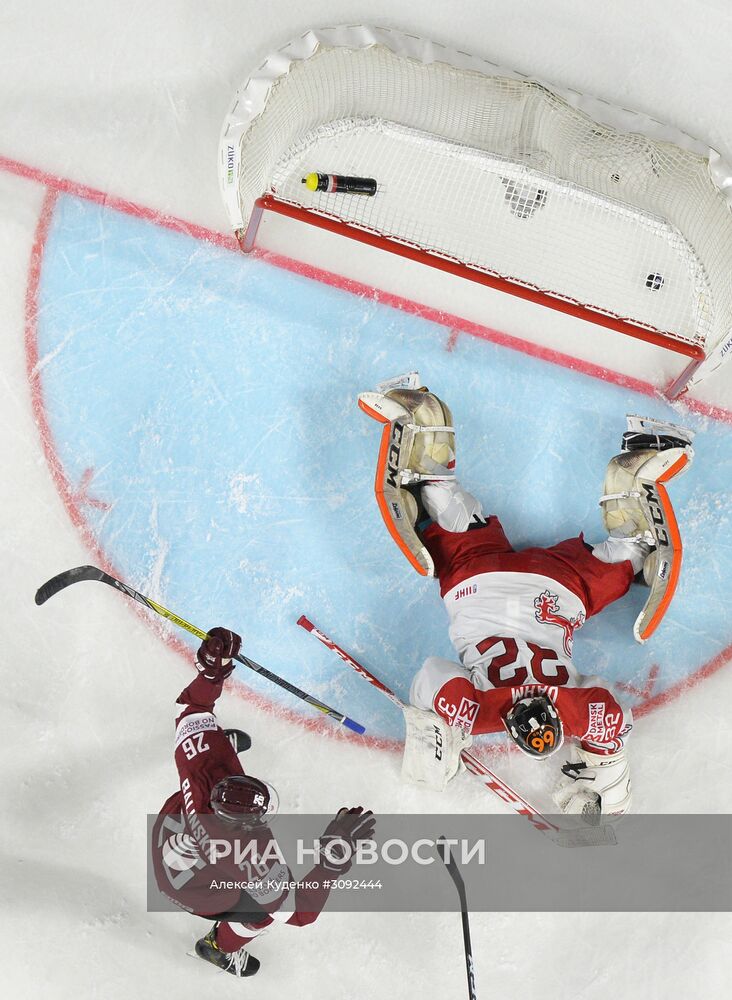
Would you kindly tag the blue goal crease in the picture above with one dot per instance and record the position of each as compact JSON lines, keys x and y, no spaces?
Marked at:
{"x":204,"y":405}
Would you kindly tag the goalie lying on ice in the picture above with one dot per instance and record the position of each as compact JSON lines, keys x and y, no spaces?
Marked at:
{"x":513,"y":615}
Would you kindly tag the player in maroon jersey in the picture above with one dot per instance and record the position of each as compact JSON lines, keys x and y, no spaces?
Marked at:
{"x":217,"y":799}
{"x":513,"y":615}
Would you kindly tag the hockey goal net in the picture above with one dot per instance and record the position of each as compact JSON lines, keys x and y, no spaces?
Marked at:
{"x":599,"y":213}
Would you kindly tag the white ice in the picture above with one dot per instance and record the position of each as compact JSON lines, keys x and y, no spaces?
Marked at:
{"x":129,"y":98}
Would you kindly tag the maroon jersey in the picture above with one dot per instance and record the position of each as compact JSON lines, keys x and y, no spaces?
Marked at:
{"x":185,"y":826}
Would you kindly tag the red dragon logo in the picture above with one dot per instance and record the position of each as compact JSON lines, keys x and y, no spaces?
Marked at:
{"x":547,"y":608}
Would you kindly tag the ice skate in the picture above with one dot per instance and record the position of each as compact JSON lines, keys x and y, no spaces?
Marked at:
{"x":238,"y":963}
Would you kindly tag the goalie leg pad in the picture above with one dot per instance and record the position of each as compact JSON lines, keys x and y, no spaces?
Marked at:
{"x":636,"y":507}
{"x":417,"y":445}
{"x":628,"y":498}
{"x":616,"y":549}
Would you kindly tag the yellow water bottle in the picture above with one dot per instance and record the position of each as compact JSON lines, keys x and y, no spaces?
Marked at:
{"x":340,"y":184}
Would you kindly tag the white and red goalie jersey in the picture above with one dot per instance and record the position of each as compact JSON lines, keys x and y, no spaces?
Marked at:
{"x":513,"y":616}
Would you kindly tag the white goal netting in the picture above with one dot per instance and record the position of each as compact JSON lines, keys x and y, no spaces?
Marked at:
{"x":555,"y":192}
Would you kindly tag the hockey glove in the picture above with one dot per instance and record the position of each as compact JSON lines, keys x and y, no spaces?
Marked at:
{"x":342,"y":835}
{"x":213,"y":658}
{"x":595,"y":785}
{"x":240,"y":741}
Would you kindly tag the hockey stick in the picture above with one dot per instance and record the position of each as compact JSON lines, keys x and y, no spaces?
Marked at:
{"x":589,"y":836}
{"x":451,"y":865}
{"x":494,"y":783}
{"x":71,"y":576}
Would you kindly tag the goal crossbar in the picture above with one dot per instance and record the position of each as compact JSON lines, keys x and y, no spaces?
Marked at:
{"x":270,"y":203}
{"x":558,"y":199}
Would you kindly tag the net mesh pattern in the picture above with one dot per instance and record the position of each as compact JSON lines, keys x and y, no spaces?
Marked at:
{"x":505,"y":177}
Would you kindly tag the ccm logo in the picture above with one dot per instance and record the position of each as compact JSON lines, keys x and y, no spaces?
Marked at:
{"x":654,"y":505}
{"x":392,"y":460}
{"x":438,"y":743}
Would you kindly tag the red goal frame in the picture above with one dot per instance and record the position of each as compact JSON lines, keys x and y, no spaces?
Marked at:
{"x":694,"y":353}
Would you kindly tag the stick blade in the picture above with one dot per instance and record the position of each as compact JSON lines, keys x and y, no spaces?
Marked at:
{"x":63,"y":580}
{"x":449,"y":862}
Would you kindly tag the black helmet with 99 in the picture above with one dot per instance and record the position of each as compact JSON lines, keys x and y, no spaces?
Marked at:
{"x":243,"y":800}
{"x":534,"y":726}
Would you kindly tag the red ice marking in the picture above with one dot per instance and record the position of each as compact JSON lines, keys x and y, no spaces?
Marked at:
{"x":82,"y":495}
{"x":458,"y":324}
{"x":56,"y":185}
{"x":452,"y":340}
{"x":664,"y":697}
{"x":62,"y":185}
{"x":647,"y":690}
{"x":455,"y":323}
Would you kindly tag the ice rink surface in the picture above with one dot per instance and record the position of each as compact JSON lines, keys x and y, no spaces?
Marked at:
{"x":187,"y":416}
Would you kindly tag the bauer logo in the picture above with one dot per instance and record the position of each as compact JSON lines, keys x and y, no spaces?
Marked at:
{"x":229,"y":164}
{"x":396,"y":510}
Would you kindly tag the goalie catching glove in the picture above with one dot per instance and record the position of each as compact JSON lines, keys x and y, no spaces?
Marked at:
{"x":417,"y":446}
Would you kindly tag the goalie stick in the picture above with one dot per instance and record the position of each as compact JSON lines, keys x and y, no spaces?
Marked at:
{"x":80,"y":573}
{"x":584,"y":836}
{"x":454,"y":872}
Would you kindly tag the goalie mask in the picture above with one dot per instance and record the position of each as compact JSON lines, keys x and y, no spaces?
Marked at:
{"x":534,"y":726}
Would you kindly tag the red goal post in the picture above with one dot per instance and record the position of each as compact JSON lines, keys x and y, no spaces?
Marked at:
{"x":602,"y":215}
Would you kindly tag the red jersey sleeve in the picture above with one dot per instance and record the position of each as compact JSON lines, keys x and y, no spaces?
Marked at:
{"x":594,"y":715}
{"x":460,"y":699}
{"x":591,"y":714}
